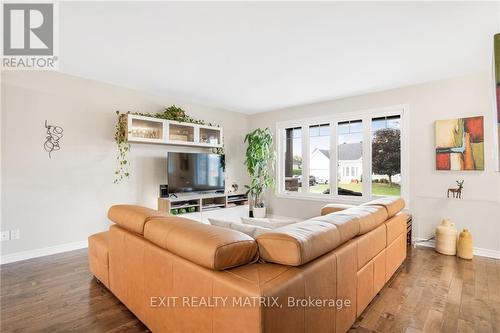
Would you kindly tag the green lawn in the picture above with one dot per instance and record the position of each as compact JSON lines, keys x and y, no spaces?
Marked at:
{"x":319,"y":188}
{"x":377,"y":188}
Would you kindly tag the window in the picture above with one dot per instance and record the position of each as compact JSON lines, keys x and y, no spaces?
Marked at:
{"x":351,"y":156}
{"x":319,"y":158}
{"x":386,"y":156}
{"x":293,"y":159}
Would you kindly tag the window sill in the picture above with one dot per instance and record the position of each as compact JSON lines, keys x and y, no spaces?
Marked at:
{"x":332,"y":199}
{"x":321,"y":198}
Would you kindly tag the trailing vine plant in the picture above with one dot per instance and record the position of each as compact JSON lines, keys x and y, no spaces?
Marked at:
{"x":173,"y":112}
{"x":123,"y":148}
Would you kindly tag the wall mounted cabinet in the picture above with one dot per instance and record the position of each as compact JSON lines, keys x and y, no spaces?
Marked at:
{"x":154,"y":130}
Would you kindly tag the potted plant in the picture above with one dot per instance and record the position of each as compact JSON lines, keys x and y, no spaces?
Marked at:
{"x":259,"y":160}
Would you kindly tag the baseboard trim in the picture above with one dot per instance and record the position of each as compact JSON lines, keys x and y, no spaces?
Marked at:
{"x":478,"y":251}
{"x":45,"y":251}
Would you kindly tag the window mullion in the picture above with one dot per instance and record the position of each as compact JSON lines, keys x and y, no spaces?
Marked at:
{"x":404,"y":137}
{"x":367,"y":158}
{"x":280,"y":163}
{"x":305,"y":159}
{"x":333,"y":158}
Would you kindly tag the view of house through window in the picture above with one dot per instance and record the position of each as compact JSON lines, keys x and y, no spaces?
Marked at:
{"x":350,"y":158}
{"x":386,"y":156}
{"x":293,"y":159}
{"x":319,"y":161}
{"x":345,"y":139}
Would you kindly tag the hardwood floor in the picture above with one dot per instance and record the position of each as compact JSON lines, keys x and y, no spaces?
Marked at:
{"x":58,"y":294}
{"x":437,"y":293}
{"x":430,"y":293}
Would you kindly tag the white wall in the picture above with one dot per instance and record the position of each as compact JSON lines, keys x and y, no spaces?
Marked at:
{"x":65,"y":199}
{"x":471,"y":95}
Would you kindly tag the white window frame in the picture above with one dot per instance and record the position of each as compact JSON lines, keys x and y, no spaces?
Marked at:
{"x":366,"y":116}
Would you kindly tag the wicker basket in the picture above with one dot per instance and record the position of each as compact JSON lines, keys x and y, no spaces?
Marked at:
{"x":446,"y":238}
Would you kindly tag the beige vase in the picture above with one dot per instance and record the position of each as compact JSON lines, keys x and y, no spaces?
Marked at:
{"x":446,"y":238}
{"x":464,"y":249}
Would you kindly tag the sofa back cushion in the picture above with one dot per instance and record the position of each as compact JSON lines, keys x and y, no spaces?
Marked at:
{"x":251,"y":230}
{"x":298,"y":243}
{"x":347,"y":223}
{"x":334,"y":207}
{"x":393,"y":205}
{"x":208,"y":246}
{"x":268,"y":223}
{"x":132,"y":217}
{"x":368,"y":217}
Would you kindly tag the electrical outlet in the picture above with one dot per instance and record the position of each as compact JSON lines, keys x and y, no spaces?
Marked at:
{"x":5,"y":235}
{"x":14,"y":234}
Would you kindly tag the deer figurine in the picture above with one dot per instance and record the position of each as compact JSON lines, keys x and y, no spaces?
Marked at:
{"x":456,"y":192}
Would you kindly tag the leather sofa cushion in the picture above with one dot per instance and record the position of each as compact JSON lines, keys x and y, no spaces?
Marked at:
{"x":396,"y":226}
{"x":98,"y":246}
{"x":332,"y":208}
{"x":392,"y":205}
{"x":395,"y":255}
{"x":366,"y":217}
{"x":132,"y":217}
{"x":250,"y":230}
{"x":370,"y":245}
{"x":370,"y":217}
{"x":346,"y":223}
{"x":267,"y":222}
{"x":208,"y":246}
{"x":299,"y":243}
{"x":99,"y":256}
{"x":365,"y":288}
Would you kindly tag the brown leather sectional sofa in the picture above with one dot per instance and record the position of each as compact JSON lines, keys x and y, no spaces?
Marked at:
{"x":177,"y":275}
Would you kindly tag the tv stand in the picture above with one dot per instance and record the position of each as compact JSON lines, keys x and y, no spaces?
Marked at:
{"x":193,"y":203}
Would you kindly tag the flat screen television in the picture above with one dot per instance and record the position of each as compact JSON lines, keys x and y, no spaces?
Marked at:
{"x":194,"y":172}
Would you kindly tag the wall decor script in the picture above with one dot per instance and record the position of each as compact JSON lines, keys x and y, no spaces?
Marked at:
{"x":54,"y":134}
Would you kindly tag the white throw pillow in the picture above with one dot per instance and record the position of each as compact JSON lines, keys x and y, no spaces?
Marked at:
{"x":267,"y":222}
{"x":220,"y":223}
{"x":250,"y":230}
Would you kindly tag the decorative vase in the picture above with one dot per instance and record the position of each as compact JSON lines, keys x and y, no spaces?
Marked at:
{"x":446,"y":238}
{"x":259,"y":212}
{"x":464,"y":250}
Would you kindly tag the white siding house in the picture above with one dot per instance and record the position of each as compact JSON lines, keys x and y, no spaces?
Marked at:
{"x":320,"y":165}
{"x":350,"y":166}
{"x":349,"y":162}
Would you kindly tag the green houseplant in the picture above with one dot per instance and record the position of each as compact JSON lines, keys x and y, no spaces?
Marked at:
{"x":259,"y":160}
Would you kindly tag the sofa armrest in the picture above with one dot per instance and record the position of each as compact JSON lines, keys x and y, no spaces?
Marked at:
{"x":334,"y":207}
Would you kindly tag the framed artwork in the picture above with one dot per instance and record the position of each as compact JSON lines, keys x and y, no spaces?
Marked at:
{"x":496,"y":60}
{"x":460,"y":144}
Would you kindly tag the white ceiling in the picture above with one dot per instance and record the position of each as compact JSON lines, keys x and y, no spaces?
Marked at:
{"x":255,"y":57}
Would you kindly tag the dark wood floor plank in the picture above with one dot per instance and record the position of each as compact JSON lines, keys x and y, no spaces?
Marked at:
{"x":429,"y":293}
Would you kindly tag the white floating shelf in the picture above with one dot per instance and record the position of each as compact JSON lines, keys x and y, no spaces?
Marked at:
{"x":160,"y":131}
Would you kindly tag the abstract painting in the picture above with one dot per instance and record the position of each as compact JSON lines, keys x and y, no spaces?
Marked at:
{"x":497,"y":91}
{"x":460,"y":144}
